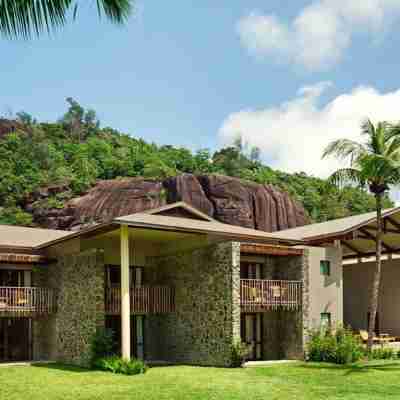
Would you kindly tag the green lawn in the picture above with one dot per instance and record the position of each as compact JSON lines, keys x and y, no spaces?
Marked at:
{"x":377,"y":380}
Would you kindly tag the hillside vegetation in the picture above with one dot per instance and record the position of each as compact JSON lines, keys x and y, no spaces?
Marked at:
{"x":75,"y":151}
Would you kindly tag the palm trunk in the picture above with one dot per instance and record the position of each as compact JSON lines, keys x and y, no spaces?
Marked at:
{"x":377,"y":275}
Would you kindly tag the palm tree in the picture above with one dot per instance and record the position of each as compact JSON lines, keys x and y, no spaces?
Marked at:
{"x":376,"y":164}
{"x":22,"y":18}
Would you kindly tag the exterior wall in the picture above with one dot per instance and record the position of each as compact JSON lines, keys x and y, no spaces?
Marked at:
{"x":325,"y":293}
{"x":283,"y":330}
{"x":207,"y":297}
{"x":79,"y":282}
{"x":71,"y":246}
{"x":357,"y":280}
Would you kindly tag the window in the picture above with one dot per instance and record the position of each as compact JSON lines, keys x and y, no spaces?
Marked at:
{"x":325,"y":320}
{"x":325,"y":267}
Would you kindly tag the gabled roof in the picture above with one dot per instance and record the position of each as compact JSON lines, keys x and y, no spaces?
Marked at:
{"x":23,"y":237}
{"x":179,"y":206}
{"x":146,"y":220}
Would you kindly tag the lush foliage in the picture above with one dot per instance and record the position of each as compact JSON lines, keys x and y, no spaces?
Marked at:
{"x":118,"y":365}
{"x":102,"y":345}
{"x":375,"y":163}
{"x":103,"y":355}
{"x":75,"y":151}
{"x":339,"y":346}
{"x":240,"y":352}
{"x":383,"y":353}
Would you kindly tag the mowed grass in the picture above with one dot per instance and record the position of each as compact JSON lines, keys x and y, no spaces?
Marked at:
{"x":375,"y":380}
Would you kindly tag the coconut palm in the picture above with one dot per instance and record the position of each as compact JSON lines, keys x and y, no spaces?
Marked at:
{"x":375,"y":163}
{"x":22,"y":18}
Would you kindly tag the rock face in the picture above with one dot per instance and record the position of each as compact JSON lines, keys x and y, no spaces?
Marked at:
{"x":7,"y":126}
{"x":224,"y":198}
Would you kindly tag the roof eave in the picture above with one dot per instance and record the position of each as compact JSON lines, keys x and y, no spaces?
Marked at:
{"x":257,"y":238}
{"x":334,"y":235}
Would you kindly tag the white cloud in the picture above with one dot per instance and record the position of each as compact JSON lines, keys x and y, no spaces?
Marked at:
{"x":294,"y":134}
{"x":318,"y":36}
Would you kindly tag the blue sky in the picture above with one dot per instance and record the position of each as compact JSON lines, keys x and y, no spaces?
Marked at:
{"x":195,"y":75}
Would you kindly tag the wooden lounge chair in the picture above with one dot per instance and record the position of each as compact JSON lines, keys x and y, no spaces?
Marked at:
{"x":376,"y":339}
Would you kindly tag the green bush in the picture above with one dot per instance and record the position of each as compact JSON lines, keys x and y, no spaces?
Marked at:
{"x":102,"y":344}
{"x":118,"y":365}
{"x":337,"y":346}
{"x":382,"y":353}
{"x":240,"y":352}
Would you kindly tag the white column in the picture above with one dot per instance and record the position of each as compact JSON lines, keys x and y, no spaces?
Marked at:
{"x":125,"y":301}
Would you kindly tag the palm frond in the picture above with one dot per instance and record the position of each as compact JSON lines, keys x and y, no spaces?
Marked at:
{"x":24,"y":18}
{"x":347,"y":176}
{"x":21,"y":18}
{"x":367,"y":127}
{"x":393,"y":148}
{"x":117,"y":11}
{"x":344,"y":148}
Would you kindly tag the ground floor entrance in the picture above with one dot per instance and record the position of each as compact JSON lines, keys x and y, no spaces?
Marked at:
{"x":15,"y":339}
{"x":137,"y":334}
{"x":252,"y":334}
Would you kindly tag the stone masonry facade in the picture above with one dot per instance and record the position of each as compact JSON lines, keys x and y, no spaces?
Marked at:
{"x":78,"y":280}
{"x":206,"y":323}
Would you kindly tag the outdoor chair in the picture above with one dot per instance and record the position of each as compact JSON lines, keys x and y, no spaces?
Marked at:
{"x":381,"y":339}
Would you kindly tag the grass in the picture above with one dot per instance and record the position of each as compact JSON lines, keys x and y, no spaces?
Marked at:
{"x":374,"y":380}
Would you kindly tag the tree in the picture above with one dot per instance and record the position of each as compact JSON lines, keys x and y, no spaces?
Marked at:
{"x":376,"y":164}
{"x":24,"y":18}
{"x":78,"y":121}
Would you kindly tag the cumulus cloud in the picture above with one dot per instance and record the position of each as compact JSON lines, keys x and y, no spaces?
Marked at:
{"x":292,"y":135}
{"x":318,"y":36}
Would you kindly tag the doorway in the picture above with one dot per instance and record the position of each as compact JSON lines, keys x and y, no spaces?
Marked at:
{"x":15,"y":339}
{"x":137,"y":334}
{"x":251,"y":329}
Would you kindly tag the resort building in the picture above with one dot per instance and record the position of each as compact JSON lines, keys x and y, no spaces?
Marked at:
{"x":177,"y":286}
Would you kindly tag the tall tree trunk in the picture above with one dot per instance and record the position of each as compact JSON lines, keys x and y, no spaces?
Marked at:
{"x":377,"y":276}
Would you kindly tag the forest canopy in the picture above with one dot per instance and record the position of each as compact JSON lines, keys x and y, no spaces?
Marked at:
{"x":75,"y":151}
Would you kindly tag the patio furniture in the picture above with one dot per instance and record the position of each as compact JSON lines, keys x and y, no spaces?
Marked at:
{"x":382,"y":338}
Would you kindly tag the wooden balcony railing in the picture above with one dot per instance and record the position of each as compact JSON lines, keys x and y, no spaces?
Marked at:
{"x":143,"y":300}
{"x":26,"y":301}
{"x":258,"y":295}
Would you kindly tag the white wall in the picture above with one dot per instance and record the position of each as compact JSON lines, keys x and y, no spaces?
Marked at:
{"x":325,"y":292}
{"x":357,"y":283}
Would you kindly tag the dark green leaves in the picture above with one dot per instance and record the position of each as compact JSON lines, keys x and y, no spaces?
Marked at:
{"x":25,"y":18}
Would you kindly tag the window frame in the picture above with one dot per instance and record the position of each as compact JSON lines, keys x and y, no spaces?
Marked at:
{"x":325,"y":267}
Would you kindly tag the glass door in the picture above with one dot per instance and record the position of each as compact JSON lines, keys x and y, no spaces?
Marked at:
{"x":252,"y":334}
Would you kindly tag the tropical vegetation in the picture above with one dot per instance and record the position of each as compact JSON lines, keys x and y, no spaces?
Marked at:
{"x":374,"y":163}
{"x":24,"y":18}
{"x":75,"y":151}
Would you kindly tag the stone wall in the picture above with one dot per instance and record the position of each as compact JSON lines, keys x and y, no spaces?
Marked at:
{"x":207,"y":297}
{"x":78,"y":280}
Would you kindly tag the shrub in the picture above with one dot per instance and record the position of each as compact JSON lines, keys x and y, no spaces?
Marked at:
{"x":102,"y":344}
{"x":382,"y":353}
{"x":118,"y":365}
{"x":338,"y":346}
{"x":240,"y":352}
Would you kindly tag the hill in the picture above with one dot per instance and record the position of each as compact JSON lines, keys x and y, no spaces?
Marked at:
{"x":45,"y":167}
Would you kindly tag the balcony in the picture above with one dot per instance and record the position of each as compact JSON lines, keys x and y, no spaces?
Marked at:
{"x":143,"y":300}
{"x":26,"y":301}
{"x":260,"y":295}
